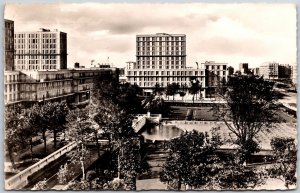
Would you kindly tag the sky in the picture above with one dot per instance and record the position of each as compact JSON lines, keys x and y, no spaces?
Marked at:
{"x":231,"y":33}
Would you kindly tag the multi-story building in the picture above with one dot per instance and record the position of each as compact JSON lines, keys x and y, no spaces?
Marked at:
{"x":161,"y":51}
{"x":9,"y":45}
{"x":41,"y":50}
{"x":284,"y":71}
{"x":255,"y":71}
{"x":215,"y":75}
{"x":269,"y":70}
{"x":161,"y":59}
{"x":274,"y":70}
{"x":72,"y":85}
{"x":244,"y":69}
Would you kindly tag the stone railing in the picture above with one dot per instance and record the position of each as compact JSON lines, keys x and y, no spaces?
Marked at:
{"x":139,"y":123}
{"x":20,"y":180}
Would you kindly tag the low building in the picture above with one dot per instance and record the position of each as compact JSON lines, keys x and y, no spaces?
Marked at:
{"x":70,"y":85}
{"x":148,"y":78}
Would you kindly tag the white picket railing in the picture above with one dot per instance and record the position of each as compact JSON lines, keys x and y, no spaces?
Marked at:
{"x":20,"y":180}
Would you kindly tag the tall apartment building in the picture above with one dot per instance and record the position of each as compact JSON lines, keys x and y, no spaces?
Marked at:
{"x":9,"y":45}
{"x":215,"y":74}
{"x":161,"y":59}
{"x":41,"y":50}
{"x":72,"y":85}
{"x":161,"y":51}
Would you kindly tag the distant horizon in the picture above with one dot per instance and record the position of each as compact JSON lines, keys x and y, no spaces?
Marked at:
{"x":224,"y":33}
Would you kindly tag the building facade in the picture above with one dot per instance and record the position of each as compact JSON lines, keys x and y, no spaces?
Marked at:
{"x":72,"y":86}
{"x":161,"y":51}
{"x":41,"y":50}
{"x":274,"y":70}
{"x":9,"y":45}
{"x":161,"y":60}
{"x":215,"y":75}
{"x":243,"y":68}
{"x":269,"y":70}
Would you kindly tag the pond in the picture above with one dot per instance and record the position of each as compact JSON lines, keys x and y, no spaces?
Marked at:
{"x":155,"y":132}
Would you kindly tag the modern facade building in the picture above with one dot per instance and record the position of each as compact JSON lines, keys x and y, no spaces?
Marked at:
{"x":41,"y":50}
{"x":274,"y":70}
{"x":9,"y":45}
{"x":161,"y":51}
{"x":215,"y":75}
{"x":161,"y":59}
{"x":72,"y":85}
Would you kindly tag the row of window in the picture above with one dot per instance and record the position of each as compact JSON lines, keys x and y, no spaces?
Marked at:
{"x":36,"y":35}
{"x":162,"y":84}
{"x":162,"y":38}
{"x":160,"y":44}
{"x":215,"y":67}
{"x":166,"y":73}
{"x":160,"y":62}
{"x":24,"y":51}
{"x":183,"y":79}
{"x":177,"y":53}
{"x":160,"y":48}
{"x":11,"y":88}
{"x":153,"y":66}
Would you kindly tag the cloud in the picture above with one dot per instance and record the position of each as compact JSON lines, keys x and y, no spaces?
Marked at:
{"x":231,"y":32}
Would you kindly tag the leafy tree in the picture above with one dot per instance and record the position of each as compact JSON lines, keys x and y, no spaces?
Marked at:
{"x":250,"y":106}
{"x":64,"y":174}
{"x":41,"y":185}
{"x":172,"y":89}
{"x":79,"y":125}
{"x":194,"y":161}
{"x":13,"y":133}
{"x":285,"y":155}
{"x":186,"y":156}
{"x":182,"y":94}
{"x":58,"y":118}
{"x":155,"y":104}
{"x":158,"y":89}
{"x":130,"y":165}
{"x":195,"y":87}
{"x":128,"y":98}
{"x":29,"y":127}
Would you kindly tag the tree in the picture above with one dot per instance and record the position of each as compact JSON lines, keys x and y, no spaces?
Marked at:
{"x":41,"y":185}
{"x":155,"y":105}
{"x":194,"y":161}
{"x":285,"y":155}
{"x":250,"y":106}
{"x":188,"y":155}
{"x":195,"y":87}
{"x":13,"y":133}
{"x":172,"y":89}
{"x":158,"y":89}
{"x":128,"y":98}
{"x":29,"y":127}
{"x":58,"y":118}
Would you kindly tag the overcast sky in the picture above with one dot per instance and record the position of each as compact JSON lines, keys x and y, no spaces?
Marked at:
{"x":232,"y":33}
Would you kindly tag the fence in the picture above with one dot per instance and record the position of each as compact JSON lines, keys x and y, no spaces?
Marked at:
{"x":20,"y":180}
